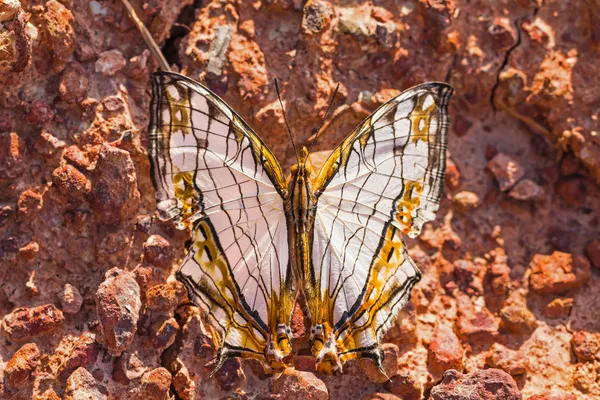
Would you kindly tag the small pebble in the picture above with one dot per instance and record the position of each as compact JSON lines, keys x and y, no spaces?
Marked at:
{"x":155,"y":385}
{"x":506,"y":170}
{"x":118,"y":305}
{"x":592,"y":251}
{"x":518,"y":319}
{"x":158,"y":252}
{"x":559,"y":272}
{"x":114,"y":194}
{"x":559,"y":308}
{"x":527,"y":190}
{"x":71,"y":299}
{"x":445,"y":350}
{"x":464,"y":201}
{"x":82,"y":385}
{"x":110,"y":62}
{"x":25,"y":323}
{"x":74,"y":83}
{"x":316,"y":16}
{"x":165,"y":297}
{"x":12,"y":158}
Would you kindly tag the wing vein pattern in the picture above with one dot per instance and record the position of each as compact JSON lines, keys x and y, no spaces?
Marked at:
{"x":214,"y":175}
{"x":384,"y":181}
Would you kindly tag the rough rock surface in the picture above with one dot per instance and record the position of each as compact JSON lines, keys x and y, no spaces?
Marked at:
{"x":292,"y":384}
{"x":114,"y":195}
{"x":389,"y":364}
{"x":25,"y":323}
{"x":511,"y":266}
{"x":81,"y":385}
{"x":586,"y":346}
{"x":490,"y":384}
{"x":155,"y":385}
{"x":118,"y":305}
{"x":22,"y":364}
{"x":405,"y":385}
{"x":445,"y":351}
{"x":508,"y":360}
{"x":558,"y":272}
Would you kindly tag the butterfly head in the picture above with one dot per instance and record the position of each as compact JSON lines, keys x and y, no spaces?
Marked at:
{"x":302,"y":168}
{"x":303,"y":155}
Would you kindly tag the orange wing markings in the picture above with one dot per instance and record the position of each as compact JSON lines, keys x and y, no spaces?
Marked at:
{"x":379,"y":292}
{"x":421,"y":118}
{"x":408,"y":203}
{"x":187,"y":194}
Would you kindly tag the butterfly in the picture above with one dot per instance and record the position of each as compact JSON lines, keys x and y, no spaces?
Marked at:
{"x":259,"y":240}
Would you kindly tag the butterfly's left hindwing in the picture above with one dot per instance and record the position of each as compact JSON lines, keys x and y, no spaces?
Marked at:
{"x":385,"y":180}
{"x":213,"y":174}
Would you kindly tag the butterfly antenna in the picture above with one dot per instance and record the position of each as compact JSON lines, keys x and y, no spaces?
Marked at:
{"x":324,"y":117}
{"x":285,"y":119}
{"x":150,"y":42}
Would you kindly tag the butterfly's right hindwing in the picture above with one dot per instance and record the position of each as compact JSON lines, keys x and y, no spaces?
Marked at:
{"x":213,"y":174}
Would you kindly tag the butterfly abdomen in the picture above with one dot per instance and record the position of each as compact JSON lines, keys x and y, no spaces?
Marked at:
{"x":300,"y":206}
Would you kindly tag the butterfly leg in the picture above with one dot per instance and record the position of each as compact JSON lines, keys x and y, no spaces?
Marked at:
{"x":278,"y":348}
{"x":324,"y":348}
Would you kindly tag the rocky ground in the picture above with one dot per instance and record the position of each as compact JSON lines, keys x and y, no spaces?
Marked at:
{"x":508,"y":304}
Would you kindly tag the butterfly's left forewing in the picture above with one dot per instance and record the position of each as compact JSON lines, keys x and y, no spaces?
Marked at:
{"x":212,"y":173}
{"x":385,"y":180}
